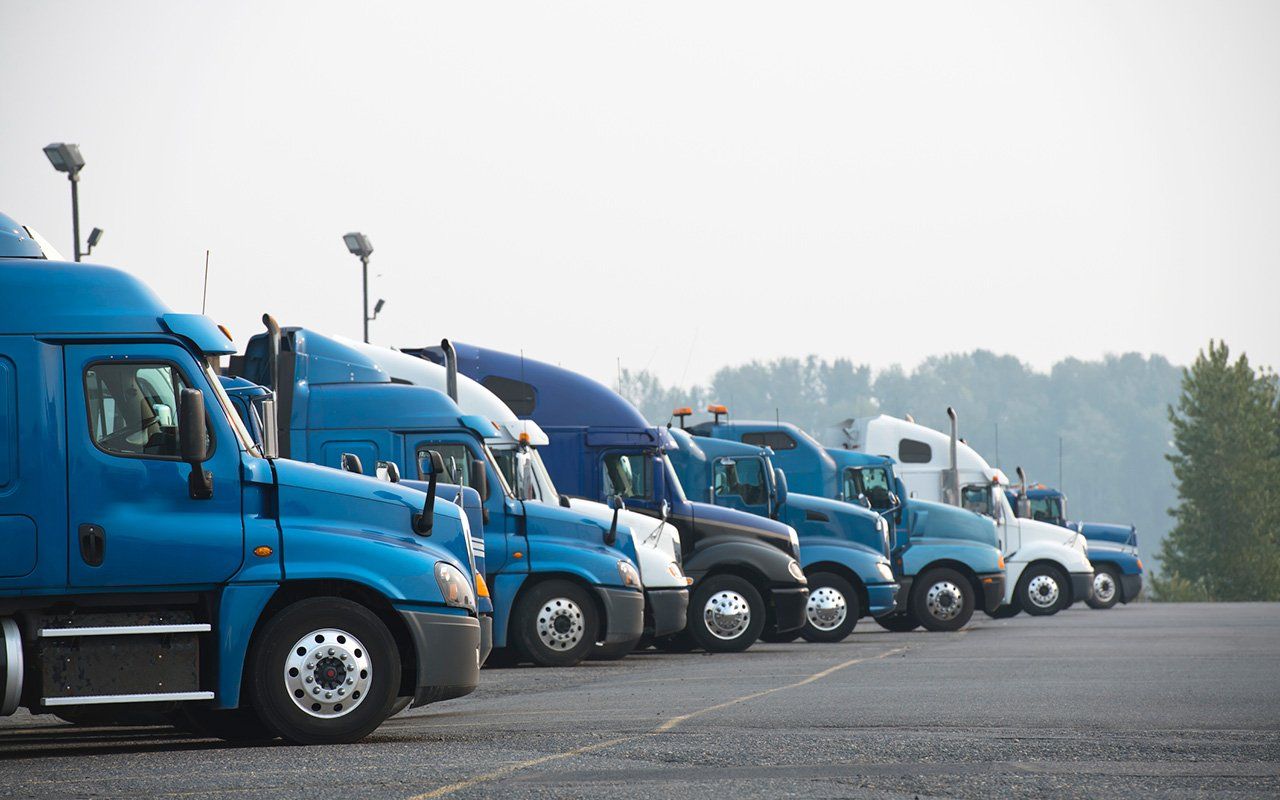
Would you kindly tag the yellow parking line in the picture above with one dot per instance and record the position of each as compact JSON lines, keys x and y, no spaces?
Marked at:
{"x":663,"y":728}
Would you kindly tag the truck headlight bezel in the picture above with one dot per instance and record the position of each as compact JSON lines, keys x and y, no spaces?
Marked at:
{"x":796,"y":571}
{"x":456,"y":590}
{"x":630,"y":575}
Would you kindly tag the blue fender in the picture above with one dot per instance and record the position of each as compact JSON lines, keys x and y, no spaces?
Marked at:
{"x":870,"y":568}
{"x":983,"y":559}
{"x":1123,"y":560}
{"x":504,"y":589}
{"x":239,"y":608}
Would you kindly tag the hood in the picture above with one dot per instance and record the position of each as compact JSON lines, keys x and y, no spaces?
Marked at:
{"x":573,"y":523}
{"x":715,"y":520}
{"x":1105,"y":532}
{"x":927,"y":519}
{"x":359,"y":505}
{"x":847,"y":521}
{"x":1046,"y":532}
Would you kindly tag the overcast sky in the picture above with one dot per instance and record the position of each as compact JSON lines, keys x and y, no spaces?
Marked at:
{"x":680,"y":186}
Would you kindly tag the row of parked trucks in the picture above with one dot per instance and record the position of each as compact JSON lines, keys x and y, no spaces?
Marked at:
{"x":303,"y":539}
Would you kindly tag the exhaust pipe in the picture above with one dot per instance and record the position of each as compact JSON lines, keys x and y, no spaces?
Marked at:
{"x":273,"y":350}
{"x":451,"y":369}
{"x":953,"y":479}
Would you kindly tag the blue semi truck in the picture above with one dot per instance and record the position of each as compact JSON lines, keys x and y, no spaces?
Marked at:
{"x":747,"y":579}
{"x":155,"y":557}
{"x":560,"y":581}
{"x":1113,"y":549}
{"x":844,"y":549}
{"x":946,"y":559}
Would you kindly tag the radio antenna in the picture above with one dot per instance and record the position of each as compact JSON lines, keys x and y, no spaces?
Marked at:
{"x":204,"y":297}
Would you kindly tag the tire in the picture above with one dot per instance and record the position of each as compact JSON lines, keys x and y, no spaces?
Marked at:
{"x":726,"y":614}
{"x":833,"y":608}
{"x":340,"y":646}
{"x":556,"y":624}
{"x":1106,"y":587}
{"x":232,"y":725}
{"x":611,"y":652}
{"x":898,"y":622}
{"x":1043,"y":590}
{"x":942,"y":600}
{"x":1006,"y":611}
{"x":773,"y":637}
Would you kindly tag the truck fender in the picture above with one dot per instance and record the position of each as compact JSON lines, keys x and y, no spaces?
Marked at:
{"x":728,"y":554}
{"x":922,"y":554}
{"x":861,"y":563}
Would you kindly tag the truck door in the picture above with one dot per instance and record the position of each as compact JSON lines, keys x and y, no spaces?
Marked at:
{"x":132,"y":521}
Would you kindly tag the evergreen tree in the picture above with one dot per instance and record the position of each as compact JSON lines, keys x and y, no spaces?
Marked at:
{"x":1226,"y":432}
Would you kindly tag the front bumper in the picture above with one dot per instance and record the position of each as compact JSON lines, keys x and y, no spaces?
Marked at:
{"x":665,"y":611}
{"x":992,"y":590}
{"x":1081,"y":586}
{"x":486,"y":636}
{"x":881,"y":599}
{"x":1130,"y":587}
{"x":447,"y":647}
{"x":788,"y":608}
{"x":623,"y":614}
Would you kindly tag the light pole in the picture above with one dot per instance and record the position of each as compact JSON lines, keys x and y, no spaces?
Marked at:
{"x":66,"y":158}
{"x":360,"y":246}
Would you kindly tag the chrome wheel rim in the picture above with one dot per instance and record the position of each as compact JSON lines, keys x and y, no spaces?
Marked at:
{"x":328,"y":673}
{"x":827,"y":608}
{"x":1104,"y":588}
{"x":1043,"y":591}
{"x":944,"y":600}
{"x":560,"y":624}
{"x":727,"y":615}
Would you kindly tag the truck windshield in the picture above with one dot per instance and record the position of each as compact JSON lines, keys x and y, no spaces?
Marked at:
{"x":875,"y":483}
{"x":229,"y":411}
{"x":526,"y":474}
{"x":976,"y":497}
{"x":1048,"y":509}
{"x":743,"y":478}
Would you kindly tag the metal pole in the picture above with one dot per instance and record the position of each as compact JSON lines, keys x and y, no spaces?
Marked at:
{"x":1060,"y":465}
{"x":75,"y":210}
{"x":364,"y":263}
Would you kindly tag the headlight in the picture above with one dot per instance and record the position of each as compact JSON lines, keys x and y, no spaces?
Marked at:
{"x":674,"y":570}
{"x":630,"y":578}
{"x":886,"y":571}
{"x":454,"y":587}
{"x":794,"y":568}
{"x":795,"y":542}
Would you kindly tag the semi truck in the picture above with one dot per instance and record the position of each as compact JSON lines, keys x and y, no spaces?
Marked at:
{"x":747,"y":579}
{"x":946,"y":560}
{"x":1047,"y":567}
{"x":844,"y":549}
{"x":560,"y":580}
{"x":1113,"y":549}
{"x":157,"y":558}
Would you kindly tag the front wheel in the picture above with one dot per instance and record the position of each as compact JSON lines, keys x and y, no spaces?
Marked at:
{"x":323,"y":671}
{"x":1106,"y":588}
{"x":942,"y":600}
{"x":833,"y":608}
{"x":726,"y":614}
{"x":1042,"y":590}
{"x":555,"y":624}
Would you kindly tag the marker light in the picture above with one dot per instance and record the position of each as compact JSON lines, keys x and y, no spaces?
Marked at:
{"x":1139,"y":565}
{"x":524,"y":437}
{"x":482,"y":588}
{"x":717,"y":409}
{"x":226,"y":333}
{"x":683,"y":411}
{"x":262,"y":551}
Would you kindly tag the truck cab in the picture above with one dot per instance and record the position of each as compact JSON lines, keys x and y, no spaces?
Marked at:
{"x":560,"y":581}
{"x":946,"y":560}
{"x":746,"y":576}
{"x":156,"y":557}
{"x":1113,"y":549}
{"x":1047,"y":567}
{"x":844,"y":549}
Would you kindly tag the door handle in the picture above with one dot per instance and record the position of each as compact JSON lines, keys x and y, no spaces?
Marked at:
{"x":93,"y":544}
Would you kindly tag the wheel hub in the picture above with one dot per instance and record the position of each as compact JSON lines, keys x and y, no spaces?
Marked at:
{"x":560,"y":624}
{"x":727,"y":614}
{"x":1043,"y":590}
{"x":944,"y":600}
{"x":1104,"y":588}
{"x":328,"y":673}
{"x":827,"y":608}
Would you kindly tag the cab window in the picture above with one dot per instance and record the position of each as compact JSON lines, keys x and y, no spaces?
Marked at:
{"x":627,"y":474}
{"x":133,"y":408}
{"x":457,"y":461}
{"x":977,"y":498}
{"x":743,"y":478}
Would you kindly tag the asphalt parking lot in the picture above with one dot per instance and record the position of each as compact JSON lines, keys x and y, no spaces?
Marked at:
{"x":1143,"y":700}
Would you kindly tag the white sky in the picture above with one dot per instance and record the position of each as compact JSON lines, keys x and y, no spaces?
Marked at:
{"x":595,"y":181}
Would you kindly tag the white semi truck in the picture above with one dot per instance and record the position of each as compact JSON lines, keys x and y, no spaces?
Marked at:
{"x":1048,"y":566}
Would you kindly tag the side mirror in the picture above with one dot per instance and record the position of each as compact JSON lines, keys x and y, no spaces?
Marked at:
{"x":430,"y":465}
{"x":270,"y":433}
{"x":780,"y":486}
{"x":894,"y":501}
{"x":564,"y":501}
{"x":666,"y":510}
{"x":388,"y":471}
{"x":863,"y":501}
{"x":193,"y":442}
{"x":351,"y":463}
{"x":480,"y":482}
{"x":617,"y":504}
